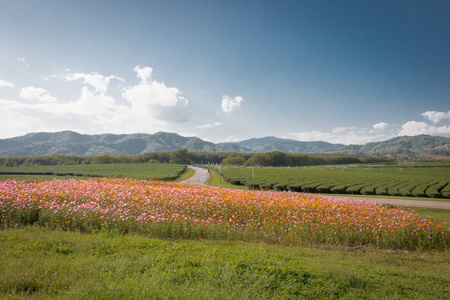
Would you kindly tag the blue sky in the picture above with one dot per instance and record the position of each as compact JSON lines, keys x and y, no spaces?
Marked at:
{"x":346,"y":72}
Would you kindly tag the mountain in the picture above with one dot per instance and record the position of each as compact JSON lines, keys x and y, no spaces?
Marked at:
{"x":271,"y":143}
{"x":420,"y":146}
{"x":69,"y":142}
{"x":72,"y":143}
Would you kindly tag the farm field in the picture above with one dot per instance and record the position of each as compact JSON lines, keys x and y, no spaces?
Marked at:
{"x":403,"y":180}
{"x":126,"y":170}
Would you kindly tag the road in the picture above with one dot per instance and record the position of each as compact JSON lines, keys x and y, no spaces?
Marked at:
{"x":401,"y":202}
{"x":202,"y":175}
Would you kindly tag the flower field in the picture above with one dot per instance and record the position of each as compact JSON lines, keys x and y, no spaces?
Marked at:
{"x":171,"y":210}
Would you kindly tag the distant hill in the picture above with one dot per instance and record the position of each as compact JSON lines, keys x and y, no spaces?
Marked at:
{"x":420,"y":146}
{"x":72,"y":143}
{"x":69,"y":142}
{"x":271,"y":143}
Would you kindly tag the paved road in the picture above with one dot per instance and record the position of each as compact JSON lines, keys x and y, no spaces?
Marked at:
{"x":202,"y":175}
{"x":402,"y":202}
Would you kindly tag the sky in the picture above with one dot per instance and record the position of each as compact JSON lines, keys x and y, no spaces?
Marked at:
{"x":348,"y":72}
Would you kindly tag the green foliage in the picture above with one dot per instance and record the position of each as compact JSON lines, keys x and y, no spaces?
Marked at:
{"x":41,"y":264}
{"x":131,"y":170}
{"x":180,"y":156}
{"x":394,"y":180}
{"x":233,"y":160}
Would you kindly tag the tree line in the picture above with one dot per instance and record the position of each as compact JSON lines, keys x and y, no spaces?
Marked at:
{"x":183,"y":156}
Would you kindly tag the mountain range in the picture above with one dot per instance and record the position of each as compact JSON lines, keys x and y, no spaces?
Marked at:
{"x":73,"y":143}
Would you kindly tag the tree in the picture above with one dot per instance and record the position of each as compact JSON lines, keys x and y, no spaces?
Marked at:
{"x":180,"y":156}
{"x":234,"y":160}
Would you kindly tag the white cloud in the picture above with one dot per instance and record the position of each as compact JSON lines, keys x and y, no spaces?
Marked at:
{"x":149,"y":106}
{"x":380,"y":126}
{"x":151,"y":98}
{"x":98,"y":82}
{"x":22,"y":60}
{"x":412,"y":128}
{"x":6,"y":84}
{"x":229,"y":104}
{"x":436,"y":116}
{"x":40,"y":94}
{"x":144,"y":74}
{"x":215,"y":124}
{"x":347,"y":135}
{"x":378,"y":132}
{"x":230,"y":139}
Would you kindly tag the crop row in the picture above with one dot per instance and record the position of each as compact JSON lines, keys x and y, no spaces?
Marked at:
{"x":132,"y":170}
{"x":393,"y":181}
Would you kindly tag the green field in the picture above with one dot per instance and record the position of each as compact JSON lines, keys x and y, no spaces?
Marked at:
{"x":37,"y":263}
{"x":394,"y":180}
{"x":131,"y":170}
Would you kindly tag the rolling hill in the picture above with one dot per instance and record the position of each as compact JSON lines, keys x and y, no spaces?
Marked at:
{"x":73,"y":143}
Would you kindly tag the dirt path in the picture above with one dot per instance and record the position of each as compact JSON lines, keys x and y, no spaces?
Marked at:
{"x":201,"y":176}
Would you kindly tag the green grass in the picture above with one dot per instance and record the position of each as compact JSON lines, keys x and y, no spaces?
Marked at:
{"x":186,"y":175}
{"x":132,"y":170}
{"x":44,"y":264}
{"x":438,"y":214}
{"x":216,"y":180}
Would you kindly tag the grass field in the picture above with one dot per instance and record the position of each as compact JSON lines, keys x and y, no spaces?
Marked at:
{"x":131,"y":170}
{"x":398,"y":180}
{"x":39,"y":263}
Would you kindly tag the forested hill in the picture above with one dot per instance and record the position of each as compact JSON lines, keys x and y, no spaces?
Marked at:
{"x":420,"y":146}
{"x":270,"y":143}
{"x":72,"y":143}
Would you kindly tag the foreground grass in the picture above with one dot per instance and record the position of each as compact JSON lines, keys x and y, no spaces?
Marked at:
{"x":44,"y":264}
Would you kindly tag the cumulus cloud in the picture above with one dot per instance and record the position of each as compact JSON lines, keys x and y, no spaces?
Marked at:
{"x":412,"y":128}
{"x":149,"y":106}
{"x":97,"y":81}
{"x":378,"y":132}
{"x":153,"y":98}
{"x":40,"y":94}
{"x":230,"y":104}
{"x":215,"y":124}
{"x":436,"y":116}
{"x":380,"y":126}
{"x":6,"y":84}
